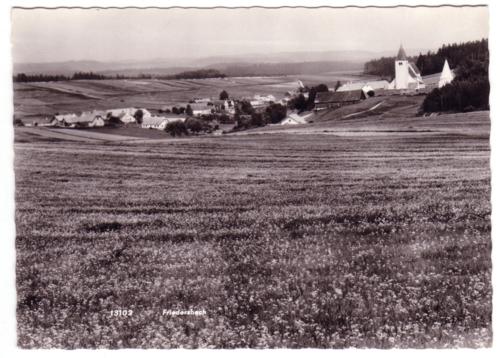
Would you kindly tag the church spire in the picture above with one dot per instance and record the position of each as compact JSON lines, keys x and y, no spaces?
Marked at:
{"x":401,"y":54}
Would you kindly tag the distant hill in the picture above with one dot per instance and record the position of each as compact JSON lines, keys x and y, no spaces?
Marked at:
{"x":174,"y":65}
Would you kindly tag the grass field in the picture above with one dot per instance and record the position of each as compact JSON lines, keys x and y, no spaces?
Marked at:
{"x":35,"y":101}
{"x":286,"y":240}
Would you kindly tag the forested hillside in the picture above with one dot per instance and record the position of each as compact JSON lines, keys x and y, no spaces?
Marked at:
{"x":470,"y":89}
{"x":432,"y":62}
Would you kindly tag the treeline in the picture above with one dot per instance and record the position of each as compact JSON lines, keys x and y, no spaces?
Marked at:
{"x":22,"y":77}
{"x":382,"y":67}
{"x":432,"y":62}
{"x":456,"y":54}
{"x":469,"y":91}
{"x":196,"y":74}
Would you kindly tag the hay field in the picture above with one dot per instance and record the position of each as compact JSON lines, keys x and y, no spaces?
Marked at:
{"x":35,"y":101}
{"x":285,"y":240}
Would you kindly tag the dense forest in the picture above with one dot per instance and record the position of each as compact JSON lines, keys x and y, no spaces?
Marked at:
{"x":432,"y":62}
{"x":470,"y":89}
{"x":456,"y":54}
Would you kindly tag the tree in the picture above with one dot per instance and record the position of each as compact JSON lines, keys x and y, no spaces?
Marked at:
{"x":312,"y":94}
{"x":275,"y":112}
{"x":337,"y":85}
{"x":257,"y":120}
{"x":139,"y":115}
{"x":299,"y":103}
{"x":195,"y":125}
{"x":223,"y":95}
{"x":18,"y":122}
{"x":176,"y":128}
{"x":189,"y":110}
{"x":245,"y":107}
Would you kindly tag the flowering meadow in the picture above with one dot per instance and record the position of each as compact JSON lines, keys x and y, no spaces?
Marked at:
{"x":281,"y":240}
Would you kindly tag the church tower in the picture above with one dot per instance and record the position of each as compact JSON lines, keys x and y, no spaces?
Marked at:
{"x":401,"y":70}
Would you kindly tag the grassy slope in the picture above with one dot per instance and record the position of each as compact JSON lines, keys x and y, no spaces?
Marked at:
{"x":285,"y":240}
{"x":37,"y":100}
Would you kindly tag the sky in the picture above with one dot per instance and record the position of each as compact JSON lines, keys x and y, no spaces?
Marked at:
{"x":42,"y":35}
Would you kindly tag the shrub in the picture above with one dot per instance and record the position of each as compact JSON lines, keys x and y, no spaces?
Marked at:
{"x":195,"y":125}
{"x":18,"y":122}
{"x":275,"y":112}
{"x":176,"y":128}
{"x":138,"y":115}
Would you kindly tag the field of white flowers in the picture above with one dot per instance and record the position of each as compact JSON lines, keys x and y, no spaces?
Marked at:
{"x":284,"y":240}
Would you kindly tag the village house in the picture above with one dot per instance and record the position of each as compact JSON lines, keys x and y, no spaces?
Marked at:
{"x":200,"y":109}
{"x":295,"y":118}
{"x":160,"y":122}
{"x":126,"y":115}
{"x":329,"y":99}
{"x":260,"y":101}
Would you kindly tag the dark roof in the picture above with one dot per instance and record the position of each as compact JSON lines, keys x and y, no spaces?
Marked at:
{"x":414,"y":67}
{"x":401,"y":54}
{"x":339,"y":97}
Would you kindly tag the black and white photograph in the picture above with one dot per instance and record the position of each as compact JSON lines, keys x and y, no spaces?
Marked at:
{"x":251,"y":177}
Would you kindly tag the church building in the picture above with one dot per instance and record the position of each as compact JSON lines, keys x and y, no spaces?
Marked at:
{"x":407,"y":75}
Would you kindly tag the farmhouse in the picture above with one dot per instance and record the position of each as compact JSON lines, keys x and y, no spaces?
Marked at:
{"x":294,"y":118}
{"x":201,"y":109}
{"x":98,"y":121}
{"x":159,"y":122}
{"x":126,"y":115}
{"x":329,"y":99}
{"x":260,"y":101}
{"x":85,"y":119}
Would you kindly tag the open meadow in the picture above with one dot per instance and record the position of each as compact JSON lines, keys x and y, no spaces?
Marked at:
{"x":37,"y":100}
{"x":308,"y":239}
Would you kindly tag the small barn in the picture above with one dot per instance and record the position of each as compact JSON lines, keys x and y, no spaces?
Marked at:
{"x":294,"y":118}
{"x":329,"y":99}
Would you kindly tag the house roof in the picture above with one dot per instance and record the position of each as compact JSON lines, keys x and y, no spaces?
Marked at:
{"x":401,"y":54}
{"x":382,"y":84}
{"x":414,"y":68}
{"x":199,"y":106}
{"x":339,"y":97}
{"x":153,"y":121}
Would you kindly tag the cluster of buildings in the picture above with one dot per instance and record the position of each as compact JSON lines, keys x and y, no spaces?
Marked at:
{"x":96,"y":118}
{"x":407,"y":80}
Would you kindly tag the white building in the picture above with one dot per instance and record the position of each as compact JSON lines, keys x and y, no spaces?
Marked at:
{"x":98,"y":121}
{"x":353,"y":86}
{"x":126,"y":115}
{"x":294,"y":118}
{"x":446,"y":75}
{"x":407,"y":74}
{"x":201,"y":109}
{"x":160,"y":123}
